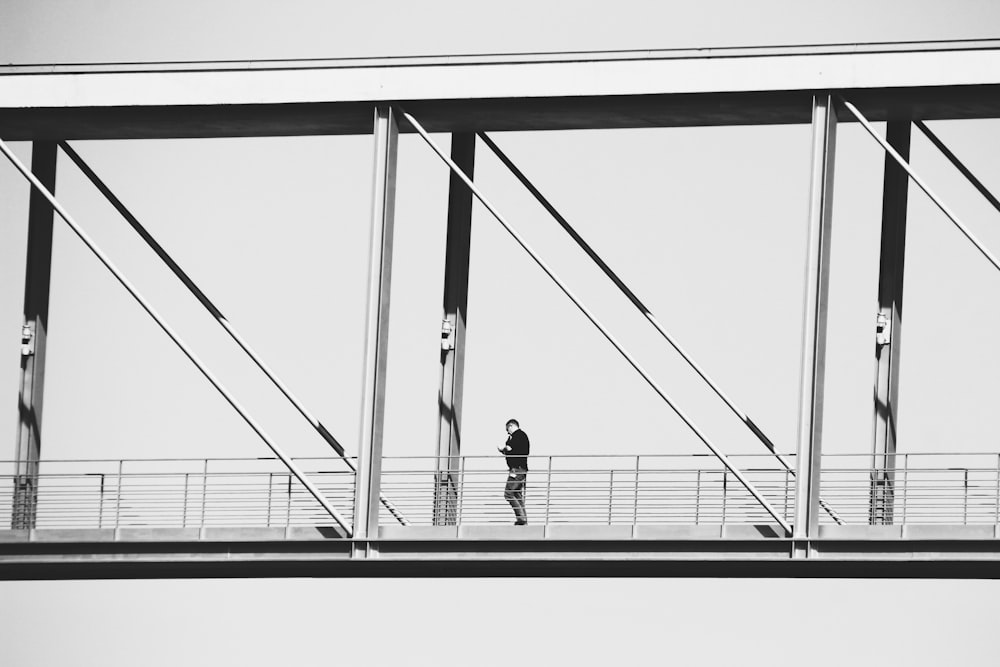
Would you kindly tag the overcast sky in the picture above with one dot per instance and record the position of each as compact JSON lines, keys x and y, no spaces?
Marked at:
{"x":706,"y":225}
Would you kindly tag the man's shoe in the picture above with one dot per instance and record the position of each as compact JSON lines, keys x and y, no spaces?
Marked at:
{"x":520,"y":523}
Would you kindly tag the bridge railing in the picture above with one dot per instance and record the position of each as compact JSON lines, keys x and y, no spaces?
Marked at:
{"x":922,"y":488}
{"x":610,"y":490}
{"x":931,"y":488}
{"x":182,"y":493}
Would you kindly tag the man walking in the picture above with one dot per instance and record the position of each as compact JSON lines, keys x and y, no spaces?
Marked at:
{"x":516,"y":451}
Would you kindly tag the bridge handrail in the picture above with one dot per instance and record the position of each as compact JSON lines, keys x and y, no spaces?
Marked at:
{"x":614,"y":489}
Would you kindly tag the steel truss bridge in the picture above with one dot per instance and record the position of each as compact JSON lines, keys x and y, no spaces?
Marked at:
{"x":801,"y":513}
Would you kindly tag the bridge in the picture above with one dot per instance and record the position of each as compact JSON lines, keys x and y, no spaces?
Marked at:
{"x":669,"y":514}
{"x":779,"y":513}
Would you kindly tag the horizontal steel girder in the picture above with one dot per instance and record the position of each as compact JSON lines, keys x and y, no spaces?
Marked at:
{"x":932,"y":80}
{"x":934,"y":553}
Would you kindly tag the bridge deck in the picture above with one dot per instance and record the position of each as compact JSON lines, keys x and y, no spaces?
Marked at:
{"x":951,"y":553}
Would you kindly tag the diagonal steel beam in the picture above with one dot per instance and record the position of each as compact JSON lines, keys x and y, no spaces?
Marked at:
{"x":641,"y":307}
{"x":292,"y":467}
{"x":920,"y":182}
{"x":217,"y":314}
{"x":590,"y":316}
{"x":976,"y":183}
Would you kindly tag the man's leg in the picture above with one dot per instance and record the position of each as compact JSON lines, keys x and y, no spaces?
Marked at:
{"x":522,"y":497}
{"x":514,"y":494}
{"x":510,"y":492}
{"x":517,"y":483}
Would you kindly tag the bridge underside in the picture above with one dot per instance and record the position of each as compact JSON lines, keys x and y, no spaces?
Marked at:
{"x":941,"y":552}
{"x":511,"y":114}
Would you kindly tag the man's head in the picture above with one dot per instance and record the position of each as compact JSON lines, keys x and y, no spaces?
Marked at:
{"x":512,"y":425}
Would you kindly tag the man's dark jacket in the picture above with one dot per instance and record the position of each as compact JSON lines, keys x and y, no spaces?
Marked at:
{"x":517,"y":456}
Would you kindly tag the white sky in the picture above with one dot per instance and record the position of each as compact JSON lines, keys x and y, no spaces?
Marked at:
{"x":705,"y":224}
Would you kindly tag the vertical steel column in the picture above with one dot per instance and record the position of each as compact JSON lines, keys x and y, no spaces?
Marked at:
{"x":888,"y":324}
{"x":807,"y":476}
{"x":369,"y":471}
{"x":34,"y":333}
{"x":456,"y":298}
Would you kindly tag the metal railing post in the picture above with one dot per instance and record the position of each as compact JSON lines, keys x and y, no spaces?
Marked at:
{"x":906,"y":479}
{"x":611,"y":495}
{"x":204,"y":494}
{"x":635,"y":495}
{"x":100,"y":505}
{"x":873,"y":492}
{"x":548,"y":490}
{"x":787,"y":478}
{"x":697,"y":497}
{"x":118,"y":496}
{"x":184,"y":506}
{"x":965,"y":498}
{"x":725,"y":480}
{"x":270,"y":490}
{"x":996,"y":515}
{"x":461,"y":491}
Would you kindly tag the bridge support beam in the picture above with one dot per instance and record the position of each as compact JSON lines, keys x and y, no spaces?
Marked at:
{"x":369,"y":472}
{"x":889,"y":324}
{"x":810,"y":433}
{"x":956,"y":556}
{"x":453,"y":321}
{"x":34,"y":334}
